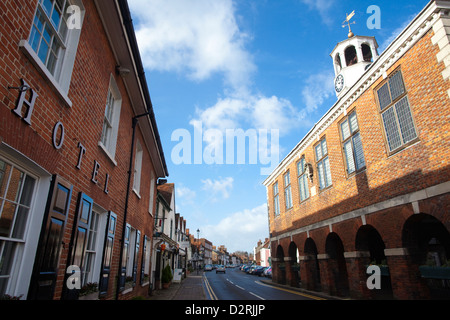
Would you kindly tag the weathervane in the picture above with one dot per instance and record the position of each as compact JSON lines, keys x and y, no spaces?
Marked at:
{"x":347,"y":21}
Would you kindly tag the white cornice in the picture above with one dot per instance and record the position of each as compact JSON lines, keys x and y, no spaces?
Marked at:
{"x":404,"y":41}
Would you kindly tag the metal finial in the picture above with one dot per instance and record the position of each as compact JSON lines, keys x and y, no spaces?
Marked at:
{"x":347,"y":22}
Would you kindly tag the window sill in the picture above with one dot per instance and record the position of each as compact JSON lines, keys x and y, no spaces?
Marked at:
{"x":325,"y":189}
{"x":355,"y":173}
{"x":111,"y":158}
{"x":32,"y":56}
{"x":406,"y":146}
{"x":137,"y":193}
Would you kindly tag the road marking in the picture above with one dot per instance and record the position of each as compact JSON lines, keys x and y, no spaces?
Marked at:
{"x":291,"y":291}
{"x":257,"y":296}
{"x":230,"y":281}
{"x":239,"y":287}
{"x":209,"y":289}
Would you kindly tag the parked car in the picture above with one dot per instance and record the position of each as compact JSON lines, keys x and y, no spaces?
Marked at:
{"x":259,"y":270}
{"x":221,"y":268}
{"x":208,"y":267}
{"x":251,"y":269}
{"x":268,"y":272}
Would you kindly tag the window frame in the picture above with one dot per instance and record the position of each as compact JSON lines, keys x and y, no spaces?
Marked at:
{"x":287,"y":190}
{"x":60,"y":79}
{"x":302,"y":176}
{"x":110,"y":145}
{"x":276,"y":199}
{"x":392,"y":106}
{"x":18,"y":243}
{"x":138,"y":160}
{"x":322,"y":160}
{"x":349,"y":139}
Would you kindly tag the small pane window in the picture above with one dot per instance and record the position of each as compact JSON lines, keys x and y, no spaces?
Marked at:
{"x":16,"y":194}
{"x":49,"y":32}
{"x":287,"y":190}
{"x":276,"y":200}
{"x":302,"y":180}
{"x":352,"y":145}
{"x":396,"y":112}
{"x":323,"y":164}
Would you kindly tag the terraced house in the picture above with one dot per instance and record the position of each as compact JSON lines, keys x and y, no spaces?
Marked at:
{"x":80,"y":152}
{"x":370,"y":182}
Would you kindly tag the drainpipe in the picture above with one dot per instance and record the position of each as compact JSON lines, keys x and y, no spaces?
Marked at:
{"x":124,"y":227}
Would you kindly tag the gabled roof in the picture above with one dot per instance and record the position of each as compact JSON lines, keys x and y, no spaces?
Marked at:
{"x":166,"y":190}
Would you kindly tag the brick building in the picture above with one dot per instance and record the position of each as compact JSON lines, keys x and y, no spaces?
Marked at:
{"x":370,"y":182}
{"x":79,"y":151}
{"x":262,"y":253}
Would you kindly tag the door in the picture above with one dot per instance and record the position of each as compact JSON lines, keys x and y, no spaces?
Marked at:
{"x":107,"y":253}
{"x":51,"y":243}
{"x":77,"y":247}
{"x":125,"y":256}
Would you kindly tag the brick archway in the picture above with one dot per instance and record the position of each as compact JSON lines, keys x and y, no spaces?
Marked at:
{"x":309,"y":267}
{"x":371,"y":250}
{"x":334,"y":267}
{"x":292,"y":266}
{"x":427,"y":241}
{"x":279,"y":267}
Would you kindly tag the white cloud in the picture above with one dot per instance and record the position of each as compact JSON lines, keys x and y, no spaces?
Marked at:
{"x":240,"y":230}
{"x":250,"y":111}
{"x":218,"y":189}
{"x":184,"y":193}
{"x":323,"y":7}
{"x":200,"y":37}
{"x":317,"y":89}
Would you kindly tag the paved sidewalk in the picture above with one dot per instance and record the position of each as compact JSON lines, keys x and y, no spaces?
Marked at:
{"x":190,"y":288}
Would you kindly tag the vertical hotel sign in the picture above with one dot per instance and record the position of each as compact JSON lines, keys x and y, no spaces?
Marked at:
{"x":24,"y":109}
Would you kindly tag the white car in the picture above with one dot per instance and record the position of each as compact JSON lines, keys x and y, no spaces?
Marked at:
{"x":220,"y":268}
{"x":208,"y":267}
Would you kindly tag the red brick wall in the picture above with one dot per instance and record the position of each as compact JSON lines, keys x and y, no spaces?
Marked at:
{"x":421,"y":165}
{"x":82,"y":122}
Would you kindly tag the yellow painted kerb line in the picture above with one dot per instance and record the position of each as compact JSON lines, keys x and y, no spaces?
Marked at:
{"x":210,"y":290}
{"x":291,"y":291}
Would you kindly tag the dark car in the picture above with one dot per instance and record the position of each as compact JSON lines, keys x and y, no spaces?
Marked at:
{"x":259,"y":270}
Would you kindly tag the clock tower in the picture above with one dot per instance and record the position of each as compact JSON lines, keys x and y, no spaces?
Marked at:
{"x":351,"y":59}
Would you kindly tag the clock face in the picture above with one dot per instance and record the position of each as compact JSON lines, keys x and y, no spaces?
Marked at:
{"x":339,"y":83}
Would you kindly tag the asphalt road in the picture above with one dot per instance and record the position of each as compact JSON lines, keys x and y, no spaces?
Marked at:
{"x":238,"y":285}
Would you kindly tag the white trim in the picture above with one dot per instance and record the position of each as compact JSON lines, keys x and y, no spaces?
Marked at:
{"x":23,"y":266}
{"x":358,"y":213}
{"x":396,"y":252}
{"x":110,"y":157}
{"x":111,"y":147}
{"x":29,"y":52}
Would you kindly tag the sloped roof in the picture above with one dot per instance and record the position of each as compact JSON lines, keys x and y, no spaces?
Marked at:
{"x":166,"y":191}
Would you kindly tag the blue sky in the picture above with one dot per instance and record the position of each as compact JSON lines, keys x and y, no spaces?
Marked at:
{"x":250,"y":65}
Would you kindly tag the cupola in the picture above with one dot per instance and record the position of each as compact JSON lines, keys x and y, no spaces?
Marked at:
{"x":351,"y":58}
